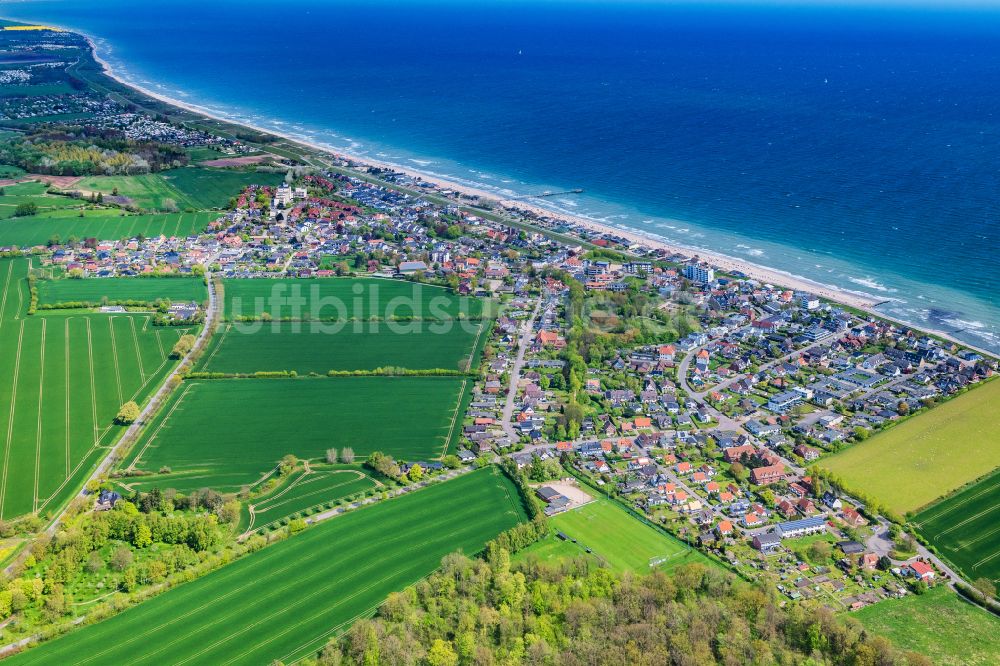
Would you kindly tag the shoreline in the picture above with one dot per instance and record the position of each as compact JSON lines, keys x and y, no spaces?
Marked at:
{"x":859,"y":300}
{"x":761,"y":273}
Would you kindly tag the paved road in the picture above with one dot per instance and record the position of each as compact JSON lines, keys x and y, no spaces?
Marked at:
{"x":515,"y":372}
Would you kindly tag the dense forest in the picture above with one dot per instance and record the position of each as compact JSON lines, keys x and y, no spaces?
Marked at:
{"x":492,"y":612}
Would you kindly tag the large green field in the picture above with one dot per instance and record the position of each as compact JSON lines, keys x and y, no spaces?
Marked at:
{"x":939,"y":624}
{"x":285,"y":601}
{"x":63,"y":378}
{"x":225,"y":434}
{"x":95,"y":290}
{"x":100,"y":224}
{"x":343,"y":299}
{"x":33,"y":192}
{"x":965,"y":528}
{"x":621,"y":540}
{"x":151,"y":191}
{"x":213,"y":188}
{"x":929,"y":455}
{"x":318,"y":347}
{"x":187,"y":187}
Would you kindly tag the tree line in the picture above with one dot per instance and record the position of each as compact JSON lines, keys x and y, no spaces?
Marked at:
{"x":575,"y":612}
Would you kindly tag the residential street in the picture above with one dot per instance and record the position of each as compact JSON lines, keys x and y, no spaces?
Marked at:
{"x":515,"y":372}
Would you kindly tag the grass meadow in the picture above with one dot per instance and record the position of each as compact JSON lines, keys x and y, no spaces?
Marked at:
{"x":94,"y":290}
{"x":149,"y":191}
{"x":939,"y":624}
{"x":285,"y":601}
{"x":102,"y":224}
{"x":309,"y":347}
{"x":228,"y":433}
{"x":213,"y":188}
{"x":33,"y":192}
{"x":965,"y":528}
{"x":929,"y":455}
{"x":624,"y":542}
{"x":343,"y":299}
{"x":63,"y":378}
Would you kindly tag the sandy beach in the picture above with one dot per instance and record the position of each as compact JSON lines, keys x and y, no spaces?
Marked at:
{"x":763,"y":274}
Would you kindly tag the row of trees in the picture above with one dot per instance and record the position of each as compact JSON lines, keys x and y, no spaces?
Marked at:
{"x":346,"y":455}
{"x":184,"y":345}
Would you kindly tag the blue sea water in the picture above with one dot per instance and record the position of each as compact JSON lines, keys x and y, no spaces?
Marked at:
{"x":856,"y":147}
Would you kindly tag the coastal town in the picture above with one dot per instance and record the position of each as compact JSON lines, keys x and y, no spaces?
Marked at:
{"x":631,"y":406}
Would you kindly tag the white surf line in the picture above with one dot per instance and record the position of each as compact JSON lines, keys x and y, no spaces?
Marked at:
{"x":68,"y":448}
{"x":138,"y":354}
{"x":93,"y":387}
{"x":10,"y":422}
{"x":114,"y":355}
{"x":38,"y":423}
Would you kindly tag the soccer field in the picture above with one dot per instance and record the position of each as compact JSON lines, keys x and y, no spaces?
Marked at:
{"x":285,"y":601}
{"x":317,"y":347}
{"x":227,"y":433}
{"x":965,"y":528}
{"x":94,"y":290}
{"x":623,"y":541}
{"x":63,"y":378}
{"x":343,"y":299}
{"x":100,"y":224}
{"x":928,"y":455}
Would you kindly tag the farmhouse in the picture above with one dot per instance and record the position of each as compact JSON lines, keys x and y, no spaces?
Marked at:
{"x":919,"y":570}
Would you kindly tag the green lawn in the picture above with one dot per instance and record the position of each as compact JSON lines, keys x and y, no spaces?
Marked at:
{"x":224,"y":434}
{"x":100,"y":224}
{"x":63,"y":378}
{"x":95,"y":290}
{"x":150,"y":191}
{"x":929,"y":455}
{"x":965,"y":528}
{"x":285,"y":601}
{"x":213,"y":188}
{"x":939,"y":624}
{"x":343,"y":299}
{"x":318,"y":347}
{"x":620,"y":539}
